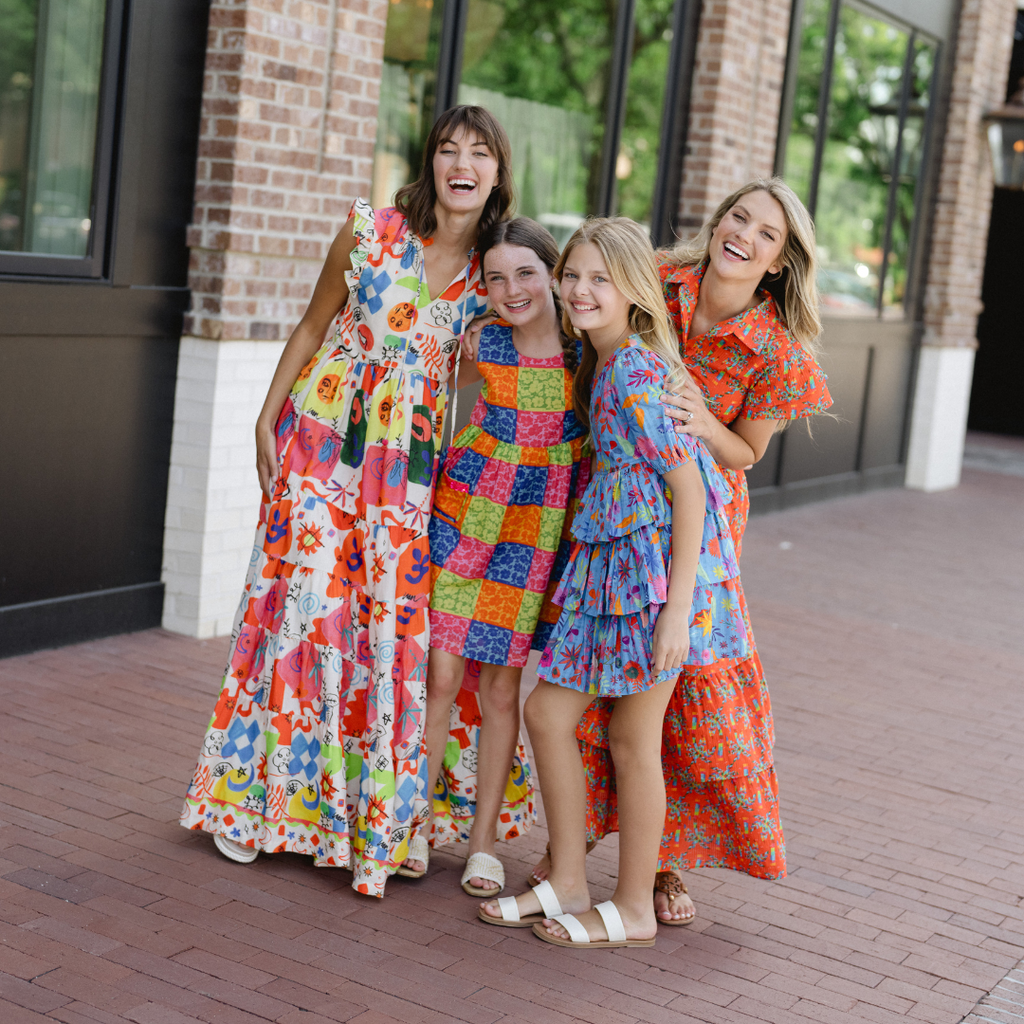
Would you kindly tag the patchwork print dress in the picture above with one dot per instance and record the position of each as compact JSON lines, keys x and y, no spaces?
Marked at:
{"x":315,"y":744}
{"x":617,"y":579}
{"x":721,"y":788}
{"x":505,"y":499}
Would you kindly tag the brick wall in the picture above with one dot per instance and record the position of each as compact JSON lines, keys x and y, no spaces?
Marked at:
{"x":286,"y":143}
{"x":734,"y":111}
{"x":281,"y":155}
{"x":964,"y":200}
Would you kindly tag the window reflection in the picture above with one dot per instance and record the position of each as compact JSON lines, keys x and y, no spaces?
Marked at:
{"x":637,"y":165}
{"x":863,"y":217}
{"x":542,"y":69}
{"x":407,"y":94}
{"x":51,"y":54}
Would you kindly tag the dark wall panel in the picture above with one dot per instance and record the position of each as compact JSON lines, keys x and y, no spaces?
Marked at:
{"x":176,"y":51}
{"x":886,"y":410}
{"x":88,"y":423}
{"x":831,"y":447}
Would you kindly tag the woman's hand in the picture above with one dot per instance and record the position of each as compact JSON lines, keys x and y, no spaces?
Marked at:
{"x":266,"y":458}
{"x":687,"y":407}
{"x":671,"y":638}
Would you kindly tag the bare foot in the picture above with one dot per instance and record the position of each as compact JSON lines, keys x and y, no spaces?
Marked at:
{"x":671,"y":902}
{"x":638,"y":925}
{"x":483,"y":883}
{"x":414,"y":865}
{"x":543,"y":867}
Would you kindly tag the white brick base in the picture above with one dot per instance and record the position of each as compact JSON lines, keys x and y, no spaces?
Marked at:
{"x":213,"y":494}
{"x":939,"y":418}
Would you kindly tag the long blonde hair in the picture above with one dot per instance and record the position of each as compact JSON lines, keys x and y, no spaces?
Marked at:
{"x":628,"y":255}
{"x":797,"y":286}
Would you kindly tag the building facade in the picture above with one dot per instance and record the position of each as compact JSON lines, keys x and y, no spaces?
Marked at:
{"x":156,"y":260}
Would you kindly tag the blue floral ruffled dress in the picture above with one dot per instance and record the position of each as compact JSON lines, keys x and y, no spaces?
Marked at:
{"x":616,"y":581}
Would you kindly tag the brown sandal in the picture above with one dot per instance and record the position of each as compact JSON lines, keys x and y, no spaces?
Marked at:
{"x":533,"y":881}
{"x":672,"y":886}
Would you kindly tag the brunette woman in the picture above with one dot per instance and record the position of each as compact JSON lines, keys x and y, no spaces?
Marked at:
{"x":316,"y":741}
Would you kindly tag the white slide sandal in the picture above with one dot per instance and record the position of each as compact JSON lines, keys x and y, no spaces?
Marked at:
{"x":578,"y":937}
{"x":510,"y":916}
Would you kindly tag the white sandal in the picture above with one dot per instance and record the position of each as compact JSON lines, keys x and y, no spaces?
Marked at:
{"x":419,"y":849}
{"x":238,"y":852}
{"x":578,"y":937}
{"x":510,"y":917}
{"x":483,"y":865}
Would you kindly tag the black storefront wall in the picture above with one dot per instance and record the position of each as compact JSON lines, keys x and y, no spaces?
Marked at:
{"x":87,"y":368}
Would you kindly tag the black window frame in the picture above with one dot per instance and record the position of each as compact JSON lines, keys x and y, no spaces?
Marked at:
{"x":675,"y":111}
{"x":913,"y":297}
{"x":94,"y":265}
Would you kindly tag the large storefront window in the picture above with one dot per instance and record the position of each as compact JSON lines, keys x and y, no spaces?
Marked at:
{"x":579,"y":87}
{"x":51,"y":55}
{"x":858,"y":167}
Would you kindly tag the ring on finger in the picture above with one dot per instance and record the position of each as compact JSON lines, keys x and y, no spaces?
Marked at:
{"x":689,"y":416}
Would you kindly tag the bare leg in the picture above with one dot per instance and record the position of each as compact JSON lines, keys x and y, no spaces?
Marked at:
{"x":499,"y":731}
{"x":634,"y":737}
{"x":551,"y":716}
{"x":444,"y":679}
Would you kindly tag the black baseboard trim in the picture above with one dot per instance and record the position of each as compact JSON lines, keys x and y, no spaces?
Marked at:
{"x":804,"y":492}
{"x":38,"y":625}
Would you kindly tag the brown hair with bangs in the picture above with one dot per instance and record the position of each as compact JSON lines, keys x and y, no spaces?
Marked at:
{"x":416,"y":200}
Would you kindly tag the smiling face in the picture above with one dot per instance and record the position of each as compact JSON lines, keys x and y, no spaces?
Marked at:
{"x":518,"y":283}
{"x":594,"y":304}
{"x":465,"y":171}
{"x":749,"y":239}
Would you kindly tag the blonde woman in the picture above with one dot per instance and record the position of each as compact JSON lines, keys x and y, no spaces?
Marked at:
{"x":743,"y":301}
{"x":653,"y":554}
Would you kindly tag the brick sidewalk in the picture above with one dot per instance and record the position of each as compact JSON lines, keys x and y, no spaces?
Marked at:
{"x":890,"y":626}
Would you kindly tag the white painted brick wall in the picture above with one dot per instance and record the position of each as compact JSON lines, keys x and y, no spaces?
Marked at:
{"x":213,"y":494}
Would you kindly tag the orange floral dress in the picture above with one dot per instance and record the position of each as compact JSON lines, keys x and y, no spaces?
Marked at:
{"x":722,"y":794}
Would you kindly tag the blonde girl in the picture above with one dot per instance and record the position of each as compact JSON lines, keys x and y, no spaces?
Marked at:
{"x":648,"y":531}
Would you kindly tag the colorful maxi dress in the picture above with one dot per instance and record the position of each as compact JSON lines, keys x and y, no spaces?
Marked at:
{"x":617,"y":579}
{"x":717,"y":741}
{"x":315,"y":742}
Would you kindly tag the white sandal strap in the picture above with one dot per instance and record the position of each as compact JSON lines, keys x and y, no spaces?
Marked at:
{"x":483,"y":865}
{"x":548,"y":900}
{"x":509,"y":908}
{"x":576,"y":931}
{"x":612,"y":921}
{"x":419,"y":848}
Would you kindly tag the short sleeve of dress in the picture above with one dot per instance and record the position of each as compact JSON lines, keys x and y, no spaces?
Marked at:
{"x":640,"y":377}
{"x":789,"y":386}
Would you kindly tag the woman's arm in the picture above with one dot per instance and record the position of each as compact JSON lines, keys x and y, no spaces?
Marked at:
{"x":737,"y":446}
{"x":672,"y":631}
{"x":329,"y":296}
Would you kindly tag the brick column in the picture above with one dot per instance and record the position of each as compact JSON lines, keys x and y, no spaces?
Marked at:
{"x":959,"y":235}
{"x":734,"y":111}
{"x":286,"y":143}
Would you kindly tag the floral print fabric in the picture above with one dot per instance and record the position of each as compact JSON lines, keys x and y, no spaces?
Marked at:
{"x":315,"y":744}
{"x":617,"y":578}
{"x":717,"y":739}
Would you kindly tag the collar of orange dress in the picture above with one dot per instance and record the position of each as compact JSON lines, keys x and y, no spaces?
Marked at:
{"x":752,"y":328}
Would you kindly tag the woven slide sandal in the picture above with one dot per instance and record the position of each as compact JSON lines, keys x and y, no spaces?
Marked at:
{"x":483,"y":865}
{"x":419,"y":849}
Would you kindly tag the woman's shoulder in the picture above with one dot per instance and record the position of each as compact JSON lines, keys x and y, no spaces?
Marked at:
{"x":386,"y":225}
{"x":496,"y":344}
{"x":634,"y":363}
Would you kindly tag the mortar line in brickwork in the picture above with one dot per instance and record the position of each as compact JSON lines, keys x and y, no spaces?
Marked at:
{"x":332,"y":22}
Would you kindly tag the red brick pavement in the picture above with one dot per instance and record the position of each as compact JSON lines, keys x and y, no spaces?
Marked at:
{"x":890,"y":625}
